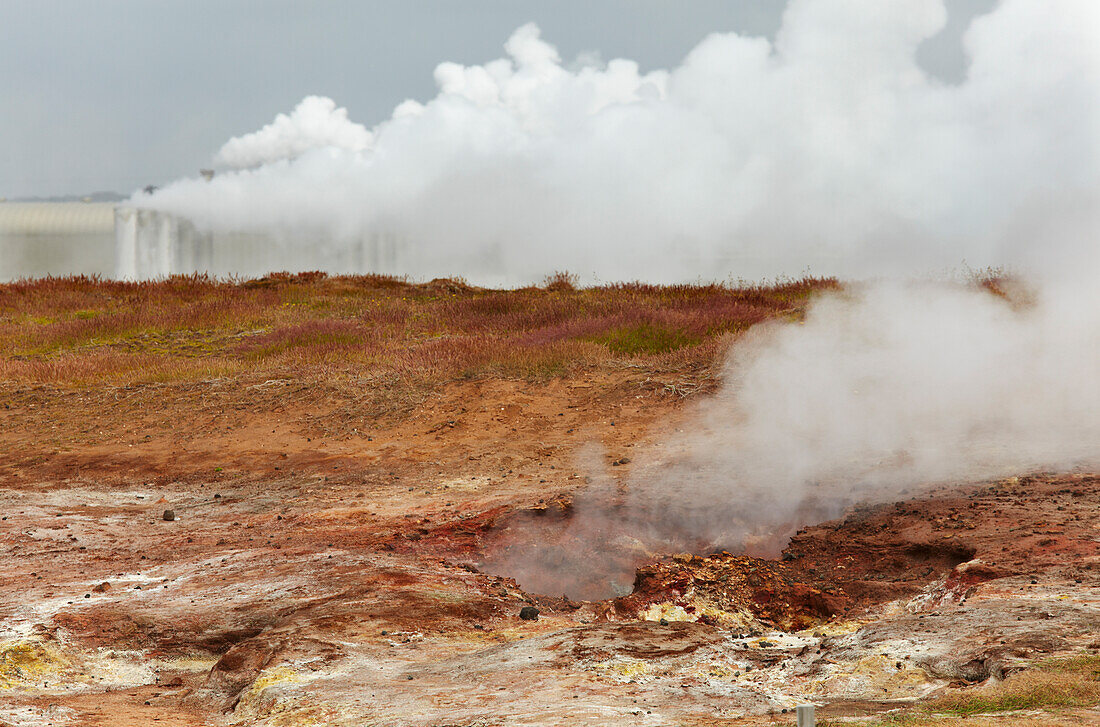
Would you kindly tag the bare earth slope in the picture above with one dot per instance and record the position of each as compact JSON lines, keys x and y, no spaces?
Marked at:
{"x":320,"y":566}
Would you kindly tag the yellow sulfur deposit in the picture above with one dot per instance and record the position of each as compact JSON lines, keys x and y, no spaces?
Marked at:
{"x":25,"y":663}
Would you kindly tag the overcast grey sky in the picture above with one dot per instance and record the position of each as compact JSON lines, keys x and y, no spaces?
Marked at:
{"x":117,"y":94}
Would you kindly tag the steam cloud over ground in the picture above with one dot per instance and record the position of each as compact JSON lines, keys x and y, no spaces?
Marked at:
{"x":829,"y":149}
{"x":884,"y":389}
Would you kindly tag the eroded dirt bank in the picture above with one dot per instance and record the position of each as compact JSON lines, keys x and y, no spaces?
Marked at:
{"x":314,"y":578}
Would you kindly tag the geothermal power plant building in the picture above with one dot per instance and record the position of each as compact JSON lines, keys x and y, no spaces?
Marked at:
{"x":124,"y":242}
{"x":127,"y":243}
{"x":66,"y":238}
{"x":151,"y":244}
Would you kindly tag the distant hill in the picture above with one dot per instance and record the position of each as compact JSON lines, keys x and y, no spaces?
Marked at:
{"x":92,"y":197}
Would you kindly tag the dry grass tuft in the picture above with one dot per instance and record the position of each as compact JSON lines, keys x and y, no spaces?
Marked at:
{"x":1025,"y":690}
{"x":926,"y":720}
{"x":561,"y":281}
{"x":1049,"y":693}
{"x":1086,"y":665}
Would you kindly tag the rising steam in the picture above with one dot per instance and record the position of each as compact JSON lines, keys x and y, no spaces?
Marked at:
{"x":884,"y":388}
{"x":315,"y":123}
{"x":828,"y":149}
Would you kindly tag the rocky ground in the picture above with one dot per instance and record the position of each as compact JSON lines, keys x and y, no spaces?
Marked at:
{"x":209,"y":557}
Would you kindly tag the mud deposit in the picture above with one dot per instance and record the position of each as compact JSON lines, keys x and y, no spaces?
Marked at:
{"x":320,"y":579}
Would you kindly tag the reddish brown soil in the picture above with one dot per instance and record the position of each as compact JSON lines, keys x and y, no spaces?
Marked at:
{"x":308,"y":532}
{"x":1026,"y":526}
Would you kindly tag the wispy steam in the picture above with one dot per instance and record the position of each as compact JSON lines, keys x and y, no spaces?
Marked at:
{"x":885,"y":388}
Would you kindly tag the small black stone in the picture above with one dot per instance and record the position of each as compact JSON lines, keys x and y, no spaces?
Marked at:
{"x":169,"y":515}
{"x":529,"y":613}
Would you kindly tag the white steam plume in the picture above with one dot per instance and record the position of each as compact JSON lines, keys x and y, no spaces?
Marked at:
{"x":829,"y":149}
{"x":315,"y":123}
{"x":886,"y":387}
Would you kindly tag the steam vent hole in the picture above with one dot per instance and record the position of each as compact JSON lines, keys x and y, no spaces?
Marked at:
{"x":824,"y":571}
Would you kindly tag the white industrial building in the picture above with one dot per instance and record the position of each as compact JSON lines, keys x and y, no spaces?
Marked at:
{"x":63,"y":238}
{"x":125,"y":242}
{"x":120,"y":241}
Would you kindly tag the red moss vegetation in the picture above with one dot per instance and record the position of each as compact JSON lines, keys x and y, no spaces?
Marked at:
{"x":81,"y":331}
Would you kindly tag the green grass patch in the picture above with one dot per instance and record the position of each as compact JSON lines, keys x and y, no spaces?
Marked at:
{"x":323,"y":341}
{"x":646,"y":339}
